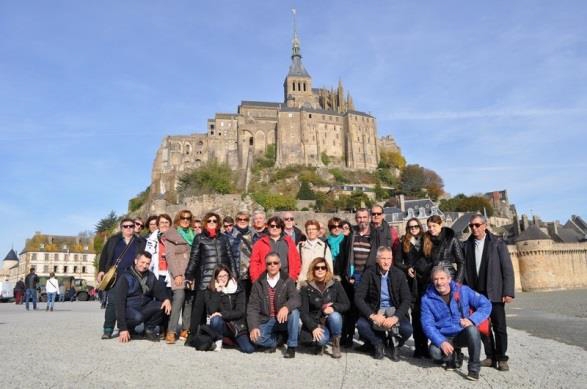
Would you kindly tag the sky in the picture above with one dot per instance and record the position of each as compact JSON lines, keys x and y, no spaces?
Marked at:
{"x":491,"y":95}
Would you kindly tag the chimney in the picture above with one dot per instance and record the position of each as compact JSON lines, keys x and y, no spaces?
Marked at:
{"x":525,"y":222}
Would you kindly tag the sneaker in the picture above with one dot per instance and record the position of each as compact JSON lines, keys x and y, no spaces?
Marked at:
{"x":152,"y":336}
{"x":290,"y":352}
{"x":218,"y":345}
{"x":473,"y":376}
{"x":379,"y":352}
{"x":503,"y":366}
{"x":106,"y":335}
{"x":487,"y":362}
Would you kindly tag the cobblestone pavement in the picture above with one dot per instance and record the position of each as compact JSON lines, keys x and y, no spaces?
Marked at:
{"x":62,"y":349}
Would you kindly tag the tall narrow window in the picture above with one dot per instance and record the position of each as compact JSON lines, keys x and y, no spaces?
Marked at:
{"x":293,"y":85}
{"x":304,"y":86}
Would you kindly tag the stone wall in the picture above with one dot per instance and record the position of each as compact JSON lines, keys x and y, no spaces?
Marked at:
{"x":545,"y":265}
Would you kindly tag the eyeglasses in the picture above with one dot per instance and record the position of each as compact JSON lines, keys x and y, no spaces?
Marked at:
{"x":274,"y":226}
{"x":222,"y":276}
{"x":242,"y":219}
{"x":476,"y":225}
{"x":345,"y":227}
{"x":414,"y":227}
{"x":212,"y":221}
{"x":316,"y":268}
{"x":288,"y":219}
{"x":273,"y":263}
{"x":332,"y":227}
{"x":128,"y":226}
{"x":139,"y":224}
{"x":227,"y":225}
{"x":376,"y":213}
{"x":185,"y":218}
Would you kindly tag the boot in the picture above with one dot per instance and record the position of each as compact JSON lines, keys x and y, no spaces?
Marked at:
{"x":170,"y":337}
{"x":336,"y":347}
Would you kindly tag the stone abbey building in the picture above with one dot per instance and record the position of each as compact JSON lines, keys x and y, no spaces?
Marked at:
{"x":309,"y":124}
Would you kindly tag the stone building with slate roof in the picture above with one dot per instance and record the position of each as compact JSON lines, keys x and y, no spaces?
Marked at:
{"x":308,"y":124}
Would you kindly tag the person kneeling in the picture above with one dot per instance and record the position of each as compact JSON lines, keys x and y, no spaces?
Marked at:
{"x":225,"y":305}
{"x":447,"y":323}
{"x":383,"y":299}
{"x":323,"y":302}
{"x":140,"y":298}
{"x":273,"y":307}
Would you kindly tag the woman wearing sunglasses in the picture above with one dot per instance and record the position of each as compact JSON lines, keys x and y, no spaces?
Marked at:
{"x":209,"y":249}
{"x":323,"y":303}
{"x":408,"y":253}
{"x":276,"y":240}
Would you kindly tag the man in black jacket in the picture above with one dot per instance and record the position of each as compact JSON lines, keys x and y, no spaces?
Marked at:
{"x":124,"y":246}
{"x":489,"y":271}
{"x":31,"y":281}
{"x":274,"y":307}
{"x":383,"y":299}
{"x":140,"y":298}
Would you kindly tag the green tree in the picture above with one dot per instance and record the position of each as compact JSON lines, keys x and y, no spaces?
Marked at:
{"x":137,"y":202}
{"x":325,"y":158}
{"x":380,"y":193}
{"x":107,"y":223}
{"x":419,"y":182}
{"x":211,"y":178}
{"x":462,"y":203}
{"x":305,"y":192}
{"x":274,"y":201}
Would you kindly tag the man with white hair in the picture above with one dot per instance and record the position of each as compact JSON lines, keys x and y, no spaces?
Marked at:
{"x":449,"y":315}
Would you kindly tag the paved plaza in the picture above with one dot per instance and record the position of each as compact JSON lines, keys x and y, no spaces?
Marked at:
{"x":62,"y":349}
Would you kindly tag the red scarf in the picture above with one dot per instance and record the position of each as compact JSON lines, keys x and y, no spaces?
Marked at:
{"x":211,"y":232}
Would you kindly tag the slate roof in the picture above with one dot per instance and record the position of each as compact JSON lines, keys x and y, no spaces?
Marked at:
{"x":261,"y":103}
{"x":11,"y":256}
{"x":533,"y":233}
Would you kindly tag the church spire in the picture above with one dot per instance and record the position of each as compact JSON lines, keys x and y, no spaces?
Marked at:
{"x":296,"y":68}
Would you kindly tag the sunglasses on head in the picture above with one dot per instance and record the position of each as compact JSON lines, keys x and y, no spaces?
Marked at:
{"x":476,"y":225}
{"x":128,"y":226}
{"x":320,"y":267}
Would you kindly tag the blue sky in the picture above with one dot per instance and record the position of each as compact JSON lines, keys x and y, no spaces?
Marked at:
{"x":491,"y":95}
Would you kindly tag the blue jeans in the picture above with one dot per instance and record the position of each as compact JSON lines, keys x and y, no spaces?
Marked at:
{"x":30,"y":293}
{"x":333,"y":328}
{"x":269,"y":329}
{"x":375,"y":337}
{"x":219,"y":326}
{"x":469,"y":337}
{"x":51,"y":300}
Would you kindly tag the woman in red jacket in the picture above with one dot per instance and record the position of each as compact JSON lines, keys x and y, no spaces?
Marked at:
{"x":277,"y":242}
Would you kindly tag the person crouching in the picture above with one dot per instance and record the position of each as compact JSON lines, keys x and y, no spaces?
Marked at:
{"x":140,"y":298}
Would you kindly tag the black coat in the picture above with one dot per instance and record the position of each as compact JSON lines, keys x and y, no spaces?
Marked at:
{"x":406,"y":260}
{"x":128,"y":292}
{"x":286,"y":295}
{"x":368,"y":294}
{"x":107,"y":259}
{"x":313,"y":300}
{"x":206,"y":254}
{"x":447,"y":251}
{"x":231,"y":306}
{"x":496,"y":274}
{"x":346,"y":254}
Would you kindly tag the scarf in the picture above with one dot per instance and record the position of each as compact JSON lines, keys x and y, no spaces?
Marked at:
{"x":187,"y":234}
{"x":243,"y":231}
{"x":211,"y":232}
{"x":142,"y":278}
{"x":230,"y":288}
{"x":334,"y":244}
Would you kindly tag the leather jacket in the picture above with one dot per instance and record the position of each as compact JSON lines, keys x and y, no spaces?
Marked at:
{"x":206,"y":254}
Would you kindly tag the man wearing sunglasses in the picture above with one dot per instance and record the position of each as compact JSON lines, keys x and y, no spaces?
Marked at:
{"x":124,"y":245}
{"x":489,"y":271}
{"x":291,"y":230}
{"x":274,"y":307}
{"x":384,"y":234}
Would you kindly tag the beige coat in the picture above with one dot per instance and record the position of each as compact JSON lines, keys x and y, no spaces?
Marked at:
{"x":178,"y":255}
{"x":308,"y":252}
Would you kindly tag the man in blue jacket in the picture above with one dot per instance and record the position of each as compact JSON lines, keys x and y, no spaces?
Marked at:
{"x":448,"y":323}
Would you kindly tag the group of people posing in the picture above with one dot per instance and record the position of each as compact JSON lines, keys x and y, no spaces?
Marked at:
{"x":257,"y":284}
